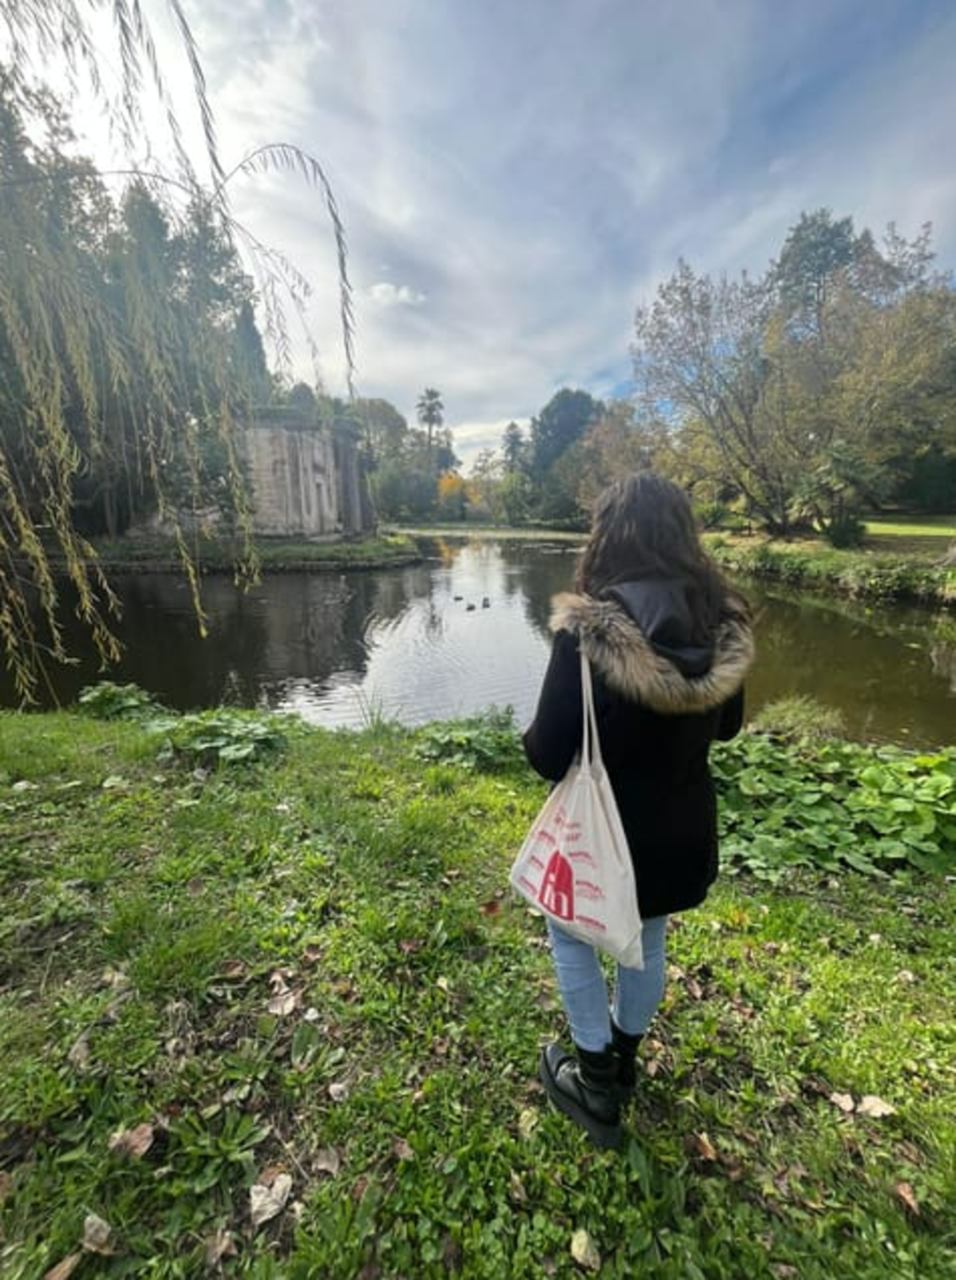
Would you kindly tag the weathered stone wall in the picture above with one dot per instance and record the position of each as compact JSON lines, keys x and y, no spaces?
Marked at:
{"x":306,"y":482}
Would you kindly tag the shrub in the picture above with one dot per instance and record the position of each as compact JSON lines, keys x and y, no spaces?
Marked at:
{"x":487,"y":743}
{"x":210,"y":738}
{"x":109,"y":701}
{"x":799,"y":719}
{"x":845,"y":531}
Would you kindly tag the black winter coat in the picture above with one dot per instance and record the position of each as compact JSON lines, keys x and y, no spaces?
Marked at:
{"x":661,"y":700}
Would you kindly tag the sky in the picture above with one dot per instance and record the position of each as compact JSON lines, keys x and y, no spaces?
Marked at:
{"x":516,"y":176}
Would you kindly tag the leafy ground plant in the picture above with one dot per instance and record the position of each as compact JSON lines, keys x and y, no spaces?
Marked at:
{"x":110,"y":701}
{"x":488,"y":741}
{"x":220,"y":736}
{"x":283,"y":1021}
{"x":203,"y":739}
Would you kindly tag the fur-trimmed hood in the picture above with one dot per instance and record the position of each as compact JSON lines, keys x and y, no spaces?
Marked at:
{"x":643,"y":657}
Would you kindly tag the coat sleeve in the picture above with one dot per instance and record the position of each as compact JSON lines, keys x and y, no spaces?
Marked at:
{"x":731,"y":717}
{"x":554,"y":736}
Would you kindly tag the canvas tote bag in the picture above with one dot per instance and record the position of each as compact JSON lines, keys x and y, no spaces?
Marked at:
{"x":574,"y":864}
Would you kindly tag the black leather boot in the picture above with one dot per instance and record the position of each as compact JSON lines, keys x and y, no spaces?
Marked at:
{"x":583,"y":1085}
{"x":624,"y":1047}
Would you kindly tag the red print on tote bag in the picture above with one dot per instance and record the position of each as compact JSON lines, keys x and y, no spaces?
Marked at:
{"x":556,"y":894}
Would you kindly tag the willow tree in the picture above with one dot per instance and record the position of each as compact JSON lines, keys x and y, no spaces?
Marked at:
{"x":106,"y":373}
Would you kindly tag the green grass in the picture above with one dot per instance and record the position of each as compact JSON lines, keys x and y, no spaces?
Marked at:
{"x":876,"y":576}
{"x":305,"y":972}
{"x":144,"y":552}
{"x":913,"y":526}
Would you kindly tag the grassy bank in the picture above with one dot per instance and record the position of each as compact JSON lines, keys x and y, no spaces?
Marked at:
{"x":877,"y":576}
{"x":278,"y":1017}
{"x":926,"y":537}
{"x":151,"y":553}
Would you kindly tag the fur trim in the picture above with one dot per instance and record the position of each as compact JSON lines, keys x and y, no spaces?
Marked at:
{"x":617,"y":648}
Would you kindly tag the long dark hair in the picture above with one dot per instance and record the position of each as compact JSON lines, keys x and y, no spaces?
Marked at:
{"x":643,"y":528}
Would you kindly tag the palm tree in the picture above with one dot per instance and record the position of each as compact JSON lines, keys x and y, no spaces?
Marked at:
{"x":430,"y":412}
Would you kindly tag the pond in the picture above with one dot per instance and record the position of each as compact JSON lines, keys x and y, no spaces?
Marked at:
{"x":467,"y":629}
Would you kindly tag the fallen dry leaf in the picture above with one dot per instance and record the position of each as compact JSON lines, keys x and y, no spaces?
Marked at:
{"x":63,"y":1270}
{"x":528,"y":1122}
{"x":219,"y":1246}
{"x":402,"y":1149}
{"x":844,"y":1101}
{"x":328,"y":1161}
{"x":266,"y":1203}
{"x":516,"y":1188}
{"x":79,"y":1055}
{"x":702,"y":1146}
{"x":133,"y":1142}
{"x":96,"y":1234}
{"x":283,"y":1003}
{"x":904,"y":1193}
{"x":584,"y":1251}
{"x":875,"y":1107}
{"x":338,"y":1091}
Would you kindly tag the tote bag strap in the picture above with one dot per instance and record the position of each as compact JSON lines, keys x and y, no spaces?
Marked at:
{"x":591,"y":741}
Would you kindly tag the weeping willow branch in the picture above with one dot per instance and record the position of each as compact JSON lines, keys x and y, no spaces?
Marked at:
{"x":284,"y":156}
{"x":105,"y":371}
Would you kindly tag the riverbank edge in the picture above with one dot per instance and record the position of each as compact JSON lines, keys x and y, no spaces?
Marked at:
{"x":276,"y":555}
{"x":865,"y":575}
{"x":876,"y":577}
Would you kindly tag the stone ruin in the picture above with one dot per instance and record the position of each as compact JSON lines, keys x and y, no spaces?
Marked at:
{"x":307,"y":481}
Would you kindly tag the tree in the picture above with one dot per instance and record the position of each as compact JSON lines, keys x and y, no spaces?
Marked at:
{"x":804,"y":391}
{"x":562,"y":422}
{"x":614,"y":446}
{"x":452,"y":497}
{"x":301,"y":398}
{"x":249,"y":355}
{"x":699,"y":355}
{"x":514,"y":449}
{"x":816,"y":250}
{"x":430,"y":411}
{"x":385,"y":430}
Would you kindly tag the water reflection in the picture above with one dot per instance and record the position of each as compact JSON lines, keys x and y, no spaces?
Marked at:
{"x":876,"y":666}
{"x":469,"y":628}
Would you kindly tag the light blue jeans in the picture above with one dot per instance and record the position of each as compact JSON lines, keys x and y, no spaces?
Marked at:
{"x":584,"y":990}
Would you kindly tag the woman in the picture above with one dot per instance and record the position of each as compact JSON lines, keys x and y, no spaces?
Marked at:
{"x":669,"y":646}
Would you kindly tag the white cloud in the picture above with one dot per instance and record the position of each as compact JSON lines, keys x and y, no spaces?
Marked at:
{"x":384,"y":294}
